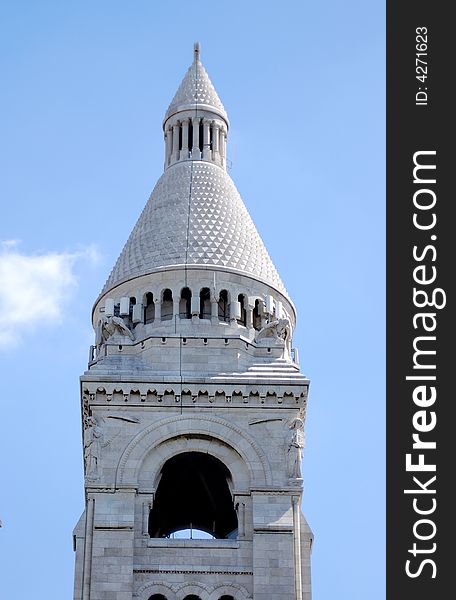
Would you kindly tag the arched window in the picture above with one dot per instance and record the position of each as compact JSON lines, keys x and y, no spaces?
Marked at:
{"x":157,"y":597}
{"x":192,"y":597}
{"x":226,"y":597}
{"x":223,"y":311}
{"x":205,"y":304}
{"x":243,"y":319}
{"x":185,"y":304}
{"x":193,"y":492}
{"x":257,"y":313}
{"x":167,"y":306}
{"x":149,"y":311}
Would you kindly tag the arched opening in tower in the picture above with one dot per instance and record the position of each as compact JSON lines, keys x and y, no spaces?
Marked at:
{"x":157,"y":597}
{"x":223,"y":313}
{"x":193,"y":492}
{"x":167,"y":306}
{"x":205,"y":304}
{"x":185,"y":304}
{"x":149,"y":310}
{"x":242,"y":302}
{"x":257,"y":313}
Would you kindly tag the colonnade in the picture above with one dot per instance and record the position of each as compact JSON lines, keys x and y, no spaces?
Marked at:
{"x":196,"y":138}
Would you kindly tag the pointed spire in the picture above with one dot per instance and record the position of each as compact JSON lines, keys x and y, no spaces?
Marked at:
{"x":196,"y":91}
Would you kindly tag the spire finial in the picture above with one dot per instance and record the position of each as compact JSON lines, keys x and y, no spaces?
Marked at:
{"x":196,"y":51}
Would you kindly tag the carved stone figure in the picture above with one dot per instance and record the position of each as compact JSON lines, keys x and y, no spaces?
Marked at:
{"x":92,"y":448}
{"x":278,"y":331}
{"x":109,"y":326}
{"x":295,"y":448}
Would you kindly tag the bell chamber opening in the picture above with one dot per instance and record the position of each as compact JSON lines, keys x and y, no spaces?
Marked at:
{"x":194,"y":494}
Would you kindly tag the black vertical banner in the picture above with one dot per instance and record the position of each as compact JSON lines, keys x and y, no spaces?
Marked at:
{"x":421,"y":331}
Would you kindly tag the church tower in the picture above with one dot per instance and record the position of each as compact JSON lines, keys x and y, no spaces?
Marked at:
{"x":193,"y":404}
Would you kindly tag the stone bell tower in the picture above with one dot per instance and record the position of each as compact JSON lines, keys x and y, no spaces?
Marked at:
{"x":193,"y":404}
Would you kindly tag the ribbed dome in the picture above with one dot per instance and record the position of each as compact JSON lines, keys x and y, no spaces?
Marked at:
{"x":196,"y":90}
{"x":195,"y":216}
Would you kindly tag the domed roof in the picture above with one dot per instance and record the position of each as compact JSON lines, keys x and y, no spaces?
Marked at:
{"x":196,"y":90}
{"x":195,"y":216}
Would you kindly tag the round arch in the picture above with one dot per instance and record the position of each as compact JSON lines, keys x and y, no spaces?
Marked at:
{"x":156,"y":587}
{"x":237,"y":591}
{"x":131,"y":460}
{"x":193,"y":589}
{"x":152,"y":465}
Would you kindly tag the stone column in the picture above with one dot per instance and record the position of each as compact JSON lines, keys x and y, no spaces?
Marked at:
{"x":222,"y":146}
{"x":168,"y":147}
{"x":295,"y":500}
{"x":196,"y":138}
{"x":158,"y":309}
{"x":215,"y":141}
{"x":88,"y":548}
{"x":214,"y":310}
{"x":184,"y":151}
{"x":147,"y":507}
{"x":249,"y":316}
{"x":175,"y":155}
{"x":206,"y":139}
{"x":176,"y":303}
{"x":240,"y":510}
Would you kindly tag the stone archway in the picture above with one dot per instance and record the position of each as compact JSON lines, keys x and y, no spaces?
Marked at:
{"x":151,"y":437}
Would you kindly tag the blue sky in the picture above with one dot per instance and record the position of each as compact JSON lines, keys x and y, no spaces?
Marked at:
{"x":85,"y":87}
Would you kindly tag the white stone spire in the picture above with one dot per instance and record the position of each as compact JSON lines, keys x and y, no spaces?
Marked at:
{"x":196,"y":123}
{"x":196,"y":91}
{"x":195,"y":215}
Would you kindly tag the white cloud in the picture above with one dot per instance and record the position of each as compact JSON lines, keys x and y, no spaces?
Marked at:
{"x":34,"y":287}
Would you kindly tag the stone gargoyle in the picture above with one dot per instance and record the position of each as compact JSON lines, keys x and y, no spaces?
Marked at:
{"x":110,"y":326}
{"x":276,"y":332}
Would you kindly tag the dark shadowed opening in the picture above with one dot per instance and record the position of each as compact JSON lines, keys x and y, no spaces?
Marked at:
{"x":167,"y":306}
{"x":205,"y":304}
{"x":158,"y":597}
{"x":190,"y":135}
{"x":257,"y":315}
{"x":193,"y":493}
{"x":149,"y":311}
{"x":243,"y":319}
{"x":185,"y":304}
{"x":223,"y":306}
{"x":201,"y":134}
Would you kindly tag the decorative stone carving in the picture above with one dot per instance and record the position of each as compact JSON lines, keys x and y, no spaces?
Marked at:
{"x":295,"y":448}
{"x":93,"y":438}
{"x":110,"y":326}
{"x":277,"y":332}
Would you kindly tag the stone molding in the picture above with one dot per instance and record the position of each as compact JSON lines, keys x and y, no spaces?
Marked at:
{"x":240,"y":473}
{"x":158,"y":393}
{"x":154,"y":435}
{"x":180,"y":591}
